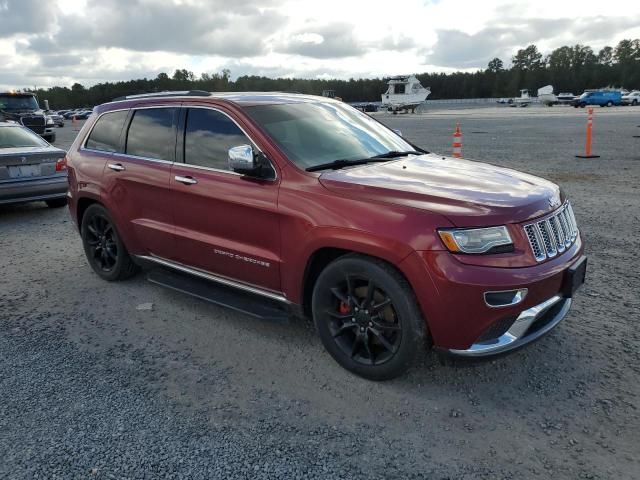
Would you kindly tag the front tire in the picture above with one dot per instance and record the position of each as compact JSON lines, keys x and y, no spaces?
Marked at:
{"x":367,"y":317}
{"x":103,"y":246}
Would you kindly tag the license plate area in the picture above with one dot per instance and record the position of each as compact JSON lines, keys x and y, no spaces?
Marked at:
{"x":574,"y":277}
{"x":24,"y":171}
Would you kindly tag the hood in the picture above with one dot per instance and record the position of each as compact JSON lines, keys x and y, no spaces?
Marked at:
{"x":467,"y":193}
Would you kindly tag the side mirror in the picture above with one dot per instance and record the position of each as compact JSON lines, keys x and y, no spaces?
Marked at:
{"x":243,"y":160}
{"x":46,"y":105}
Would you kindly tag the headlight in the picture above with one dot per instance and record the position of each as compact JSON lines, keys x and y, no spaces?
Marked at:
{"x":475,"y":240}
{"x":49,"y":121}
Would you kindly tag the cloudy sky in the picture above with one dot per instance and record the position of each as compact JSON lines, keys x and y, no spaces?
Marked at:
{"x":59,"y":42}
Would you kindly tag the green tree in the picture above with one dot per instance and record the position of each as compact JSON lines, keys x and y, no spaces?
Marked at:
{"x":605,"y":56}
{"x":627,"y":51}
{"x":495,"y":65}
{"x":528,"y":59}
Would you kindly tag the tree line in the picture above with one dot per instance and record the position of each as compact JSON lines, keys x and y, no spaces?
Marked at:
{"x":568,"y":68}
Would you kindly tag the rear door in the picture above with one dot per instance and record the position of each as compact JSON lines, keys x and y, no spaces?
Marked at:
{"x":137,"y":182}
{"x":226,"y":224}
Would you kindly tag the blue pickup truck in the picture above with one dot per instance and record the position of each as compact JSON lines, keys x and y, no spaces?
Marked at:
{"x":604,"y":98}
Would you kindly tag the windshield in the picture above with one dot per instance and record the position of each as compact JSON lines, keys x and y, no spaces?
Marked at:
{"x":11,"y":137}
{"x":586,"y":94}
{"x":18,"y":102}
{"x":317,"y":133}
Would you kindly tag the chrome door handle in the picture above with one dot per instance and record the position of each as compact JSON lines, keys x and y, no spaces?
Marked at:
{"x":116,"y":166}
{"x":186,"y":180}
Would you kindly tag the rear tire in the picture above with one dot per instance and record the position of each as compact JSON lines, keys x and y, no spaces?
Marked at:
{"x":367,"y":317}
{"x":609,"y":104}
{"x":56,"y":202}
{"x":103,"y":246}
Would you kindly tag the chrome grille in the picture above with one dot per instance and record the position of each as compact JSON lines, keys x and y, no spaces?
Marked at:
{"x":34,"y":122}
{"x":554,"y":234}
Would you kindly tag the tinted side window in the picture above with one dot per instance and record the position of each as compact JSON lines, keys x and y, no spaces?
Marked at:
{"x":105,"y":135}
{"x":209,"y":135}
{"x":151,"y":134}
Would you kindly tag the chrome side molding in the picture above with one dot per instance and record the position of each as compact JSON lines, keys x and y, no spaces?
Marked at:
{"x":279,"y":297}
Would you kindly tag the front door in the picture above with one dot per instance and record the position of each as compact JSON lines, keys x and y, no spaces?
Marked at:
{"x":226,"y":224}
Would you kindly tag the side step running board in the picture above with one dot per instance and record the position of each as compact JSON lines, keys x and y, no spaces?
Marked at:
{"x":247,"y":303}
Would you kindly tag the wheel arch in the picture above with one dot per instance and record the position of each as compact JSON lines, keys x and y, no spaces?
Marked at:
{"x":323,"y":256}
{"x":82,"y":205}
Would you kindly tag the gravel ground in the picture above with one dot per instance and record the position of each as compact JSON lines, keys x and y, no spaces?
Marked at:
{"x":94,"y":384}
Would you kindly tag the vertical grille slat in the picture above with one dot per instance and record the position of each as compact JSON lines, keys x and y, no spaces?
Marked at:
{"x":550,"y":247}
{"x":565,"y":225}
{"x":555,"y":228}
{"x":554,"y":234}
{"x":533,"y":241}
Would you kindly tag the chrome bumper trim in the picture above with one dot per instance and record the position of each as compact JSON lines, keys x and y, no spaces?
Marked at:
{"x":516,"y":336}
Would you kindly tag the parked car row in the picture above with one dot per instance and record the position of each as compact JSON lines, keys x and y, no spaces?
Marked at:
{"x":631,"y":98}
{"x":607,"y":98}
{"x":57,"y":118}
{"x":78,"y":113}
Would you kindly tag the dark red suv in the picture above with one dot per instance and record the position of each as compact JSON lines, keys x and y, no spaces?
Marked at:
{"x":308,"y":204}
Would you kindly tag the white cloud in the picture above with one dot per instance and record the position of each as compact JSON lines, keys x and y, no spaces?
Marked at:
{"x":59,"y":42}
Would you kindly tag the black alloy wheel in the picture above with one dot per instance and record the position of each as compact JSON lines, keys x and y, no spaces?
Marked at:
{"x":364,"y":323}
{"x":367,"y":317}
{"x":103,"y":247}
{"x":102,"y":244}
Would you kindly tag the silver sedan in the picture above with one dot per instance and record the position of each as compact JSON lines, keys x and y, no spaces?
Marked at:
{"x":30,"y":168}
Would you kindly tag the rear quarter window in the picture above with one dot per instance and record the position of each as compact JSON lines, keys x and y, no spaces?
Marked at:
{"x":105,"y":135}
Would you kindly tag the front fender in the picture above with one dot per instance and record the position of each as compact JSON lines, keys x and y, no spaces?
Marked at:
{"x":297,"y":256}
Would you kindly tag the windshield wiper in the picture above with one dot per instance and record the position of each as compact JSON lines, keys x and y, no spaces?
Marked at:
{"x":343,"y":163}
{"x":396,"y":153}
{"x":383,"y":157}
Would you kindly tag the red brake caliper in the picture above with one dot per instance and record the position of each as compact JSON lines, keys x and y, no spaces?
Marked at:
{"x":344,"y":308}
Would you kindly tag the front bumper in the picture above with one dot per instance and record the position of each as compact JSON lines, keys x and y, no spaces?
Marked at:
{"x":460,"y":317}
{"x":530,"y":325}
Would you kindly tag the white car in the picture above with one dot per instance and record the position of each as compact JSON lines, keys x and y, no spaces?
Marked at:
{"x":632,"y":98}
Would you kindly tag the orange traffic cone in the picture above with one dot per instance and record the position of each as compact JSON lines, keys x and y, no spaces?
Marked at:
{"x":457,"y":142}
{"x":587,"y":146}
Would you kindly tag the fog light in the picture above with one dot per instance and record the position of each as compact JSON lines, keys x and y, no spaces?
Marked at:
{"x":505,"y":298}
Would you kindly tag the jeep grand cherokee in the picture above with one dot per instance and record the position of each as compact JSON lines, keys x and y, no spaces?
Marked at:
{"x":308,"y":203}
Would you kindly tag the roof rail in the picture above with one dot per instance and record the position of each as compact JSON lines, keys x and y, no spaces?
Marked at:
{"x":185,"y":93}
